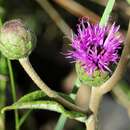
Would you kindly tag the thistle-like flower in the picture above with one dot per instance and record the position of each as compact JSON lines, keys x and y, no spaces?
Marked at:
{"x":95,"y":47}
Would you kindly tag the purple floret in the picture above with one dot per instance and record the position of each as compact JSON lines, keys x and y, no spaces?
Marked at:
{"x":95,"y":47}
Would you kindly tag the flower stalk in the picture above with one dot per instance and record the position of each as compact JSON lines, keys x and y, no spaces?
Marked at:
{"x":35,"y":77}
{"x":95,"y":100}
{"x":117,"y":75}
{"x":13,"y":88}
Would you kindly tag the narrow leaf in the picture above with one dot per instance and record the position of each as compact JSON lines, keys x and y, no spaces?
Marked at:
{"x":47,"y":105}
{"x":107,"y":12}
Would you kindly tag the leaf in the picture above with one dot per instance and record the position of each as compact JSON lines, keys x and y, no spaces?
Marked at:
{"x":47,"y":105}
{"x":107,"y":12}
{"x":38,"y":100}
{"x":36,"y":95}
{"x":39,"y":94}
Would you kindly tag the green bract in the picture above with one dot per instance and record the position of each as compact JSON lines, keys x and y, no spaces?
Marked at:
{"x":95,"y":80}
{"x":16,"y":40}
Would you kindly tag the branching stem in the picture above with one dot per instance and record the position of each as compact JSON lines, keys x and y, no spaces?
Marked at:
{"x":38,"y":81}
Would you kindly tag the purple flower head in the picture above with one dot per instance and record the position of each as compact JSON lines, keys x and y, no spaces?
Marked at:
{"x":95,"y":47}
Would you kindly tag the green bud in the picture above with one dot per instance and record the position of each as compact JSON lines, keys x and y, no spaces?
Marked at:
{"x":94,"y":80}
{"x":16,"y":40}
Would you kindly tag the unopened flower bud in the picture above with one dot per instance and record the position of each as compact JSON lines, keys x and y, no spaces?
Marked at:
{"x":16,"y":40}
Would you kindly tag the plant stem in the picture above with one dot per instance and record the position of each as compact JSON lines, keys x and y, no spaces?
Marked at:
{"x":3,"y":83}
{"x":24,"y":117}
{"x":13,"y":88}
{"x":95,"y":99}
{"x":38,"y":81}
{"x":97,"y":93}
{"x":121,"y":67}
{"x":61,"y":122}
{"x":34,"y":76}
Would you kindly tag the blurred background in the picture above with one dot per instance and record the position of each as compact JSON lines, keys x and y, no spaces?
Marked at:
{"x":53,"y":21}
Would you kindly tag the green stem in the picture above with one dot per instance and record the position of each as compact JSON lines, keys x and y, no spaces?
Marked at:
{"x":3,"y":83}
{"x":61,"y":122}
{"x":24,"y":117}
{"x":13,"y":88}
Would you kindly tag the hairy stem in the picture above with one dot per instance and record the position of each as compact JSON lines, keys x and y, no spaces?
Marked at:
{"x":38,"y":81}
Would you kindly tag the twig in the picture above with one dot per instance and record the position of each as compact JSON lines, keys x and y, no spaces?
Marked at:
{"x":78,"y":10}
{"x":55,"y":16}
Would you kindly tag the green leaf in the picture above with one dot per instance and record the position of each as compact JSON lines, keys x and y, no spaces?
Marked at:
{"x":47,"y":105}
{"x":36,"y":95}
{"x":107,"y":12}
{"x":38,"y":100}
{"x":39,"y":94}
